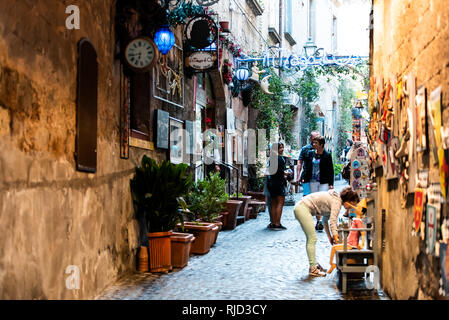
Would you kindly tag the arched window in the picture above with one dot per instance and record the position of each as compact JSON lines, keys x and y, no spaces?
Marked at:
{"x":86,"y":112}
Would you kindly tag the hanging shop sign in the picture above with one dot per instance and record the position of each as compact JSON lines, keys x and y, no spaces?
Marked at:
{"x":282,"y":59}
{"x":201,"y":60}
{"x":201,"y":31}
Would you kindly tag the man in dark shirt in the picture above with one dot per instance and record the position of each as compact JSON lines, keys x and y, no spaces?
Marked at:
{"x":305,"y":167}
{"x":302,"y":164}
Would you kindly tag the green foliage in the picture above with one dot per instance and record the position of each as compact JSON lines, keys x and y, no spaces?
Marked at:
{"x":256,"y":183}
{"x":156,"y":192}
{"x":347,"y":95}
{"x":308,"y":89}
{"x":183,"y":12}
{"x":338,"y":168}
{"x":273,"y":113}
{"x":208,"y":198}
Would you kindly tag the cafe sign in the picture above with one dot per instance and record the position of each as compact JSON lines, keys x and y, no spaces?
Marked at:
{"x":201,"y":60}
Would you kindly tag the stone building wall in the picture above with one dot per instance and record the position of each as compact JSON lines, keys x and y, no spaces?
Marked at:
{"x":409,"y":36}
{"x":52,"y":216}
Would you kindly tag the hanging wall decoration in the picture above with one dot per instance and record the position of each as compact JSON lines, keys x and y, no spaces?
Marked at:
{"x":435,"y":119}
{"x":200,"y":32}
{"x":176,"y":141}
{"x":421,"y":117}
{"x":410,"y":93}
{"x":431,"y":227}
{"x":162,"y":118}
{"x":418,"y":208}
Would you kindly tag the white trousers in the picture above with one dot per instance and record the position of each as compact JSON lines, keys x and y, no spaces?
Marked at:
{"x":317,"y":187}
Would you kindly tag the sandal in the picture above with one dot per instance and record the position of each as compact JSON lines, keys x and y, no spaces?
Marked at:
{"x":316,"y":272}
{"x":321,"y":268}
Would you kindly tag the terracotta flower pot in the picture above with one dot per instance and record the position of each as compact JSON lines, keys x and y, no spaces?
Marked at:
{"x":224,"y":26}
{"x":244,"y":207}
{"x":203,"y":232}
{"x":159,"y":248}
{"x":180,"y":248}
{"x":233,"y":207}
{"x":258,"y":195}
{"x":217,"y":229}
{"x":142,"y":265}
{"x":214,"y":235}
{"x":248,"y":213}
{"x":224,"y":218}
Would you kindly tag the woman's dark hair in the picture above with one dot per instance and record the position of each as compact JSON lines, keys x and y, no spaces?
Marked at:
{"x":348,"y":195}
{"x":320,"y":140}
{"x":276,"y":146}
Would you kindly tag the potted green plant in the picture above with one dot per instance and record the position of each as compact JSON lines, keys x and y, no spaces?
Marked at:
{"x":156,"y":190}
{"x":207,"y":200}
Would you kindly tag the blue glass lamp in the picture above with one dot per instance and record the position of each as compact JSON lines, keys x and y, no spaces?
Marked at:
{"x":242,"y":74}
{"x":164,"y":39}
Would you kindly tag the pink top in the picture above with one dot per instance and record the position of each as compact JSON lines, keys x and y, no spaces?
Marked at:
{"x":354,"y":236}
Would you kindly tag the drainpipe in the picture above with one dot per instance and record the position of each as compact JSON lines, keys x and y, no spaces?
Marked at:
{"x":281,"y":31}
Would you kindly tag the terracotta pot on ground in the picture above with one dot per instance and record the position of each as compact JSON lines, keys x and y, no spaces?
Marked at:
{"x":203,"y":232}
{"x":224,"y":218}
{"x":244,"y":207}
{"x":142,"y":265}
{"x":180,"y":248}
{"x":253,"y":213}
{"x":217,"y":229}
{"x":233,"y":207}
{"x":258,"y":195}
{"x":248,"y":213}
{"x":159,"y":248}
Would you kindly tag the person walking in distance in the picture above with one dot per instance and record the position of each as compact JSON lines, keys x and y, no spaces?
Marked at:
{"x":277,"y":185}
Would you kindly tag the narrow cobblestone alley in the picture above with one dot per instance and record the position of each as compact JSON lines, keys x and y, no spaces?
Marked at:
{"x":250,"y":262}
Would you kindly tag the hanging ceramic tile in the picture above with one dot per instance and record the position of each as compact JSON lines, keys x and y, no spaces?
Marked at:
{"x":409,"y":92}
{"x":421,"y":114}
{"x":418,"y":208}
{"x":431,"y":227}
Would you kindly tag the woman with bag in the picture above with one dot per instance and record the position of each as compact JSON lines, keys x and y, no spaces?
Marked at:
{"x":277,"y":185}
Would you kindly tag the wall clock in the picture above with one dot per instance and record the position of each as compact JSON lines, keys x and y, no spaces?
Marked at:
{"x":140,"y":54}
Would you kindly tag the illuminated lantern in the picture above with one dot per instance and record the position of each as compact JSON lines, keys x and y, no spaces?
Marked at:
{"x":164,"y":39}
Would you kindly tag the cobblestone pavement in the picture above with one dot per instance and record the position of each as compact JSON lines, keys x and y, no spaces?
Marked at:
{"x":250,"y":262}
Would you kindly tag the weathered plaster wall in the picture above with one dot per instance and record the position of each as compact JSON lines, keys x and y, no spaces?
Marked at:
{"x":52,"y":216}
{"x":409,"y":36}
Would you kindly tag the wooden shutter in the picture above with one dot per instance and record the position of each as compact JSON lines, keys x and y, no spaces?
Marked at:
{"x":87,"y":95}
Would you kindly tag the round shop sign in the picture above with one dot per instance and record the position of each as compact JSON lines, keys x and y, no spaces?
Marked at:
{"x":356,"y":164}
{"x":201,"y":60}
{"x":355,"y":185}
{"x":201,"y":31}
{"x":357,"y":174}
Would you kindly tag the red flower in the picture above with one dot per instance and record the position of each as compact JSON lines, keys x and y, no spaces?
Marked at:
{"x":208,"y":120}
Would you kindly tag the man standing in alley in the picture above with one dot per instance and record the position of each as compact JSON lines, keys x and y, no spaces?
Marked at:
{"x":304,"y":169}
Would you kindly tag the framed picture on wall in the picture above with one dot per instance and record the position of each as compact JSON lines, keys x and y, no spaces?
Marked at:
{"x":176,"y":141}
{"x":190,"y":137}
{"x":162,"y":120}
{"x":230,"y":119}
